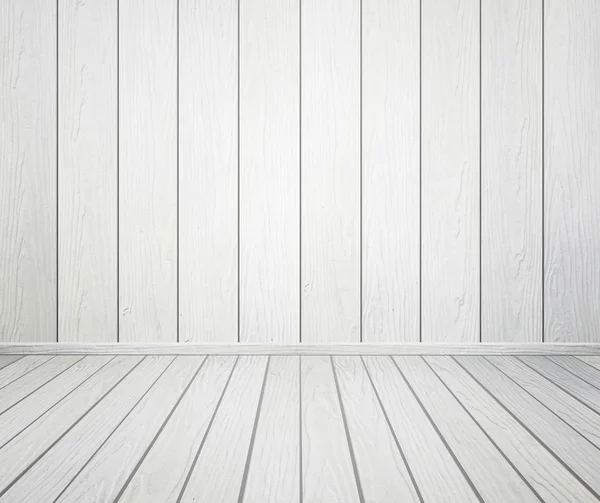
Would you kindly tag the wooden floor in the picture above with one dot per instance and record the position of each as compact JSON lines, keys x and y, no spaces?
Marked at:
{"x":214,"y":429}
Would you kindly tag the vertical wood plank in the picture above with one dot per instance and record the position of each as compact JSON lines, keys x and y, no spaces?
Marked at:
{"x":269,"y":170}
{"x":148,"y":170}
{"x":28,"y":171}
{"x":327,"y":467}
{"x":208,"y":170}
{"x":450,"y":170}
{"x":511,"y":171}
{"x":391,"y":171}
{"x":87,"y":174}
{"x":572,"y":177}
{"x":330,"y":186}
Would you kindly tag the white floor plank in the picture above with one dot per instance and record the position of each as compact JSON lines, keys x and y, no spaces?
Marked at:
{"x":28,"y":410}
{"x":107,"y":472}
{"x":492,"y":475}
{"x":162,"y":473}
{"x":21,"y":388}
{"x":383,"y":472}
{"x":21,"y":368}
{"x":24,"y":449}
{"x":543,"y":471}
{"x":6,"y":360}
{"x":569,"y":382}
{"x":274,"y":471}
{"x":217,"y":474}
{"x":571,"y":447}
{"x":432,"y":465}
{"x":594,"y":361}
{"x":45,"y":480}
{"x":328,"y":474}
{"x":584,"y":420}
{"x":587,"y":372}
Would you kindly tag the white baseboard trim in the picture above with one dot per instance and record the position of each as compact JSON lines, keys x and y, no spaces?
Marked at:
{"x":303,"y":349}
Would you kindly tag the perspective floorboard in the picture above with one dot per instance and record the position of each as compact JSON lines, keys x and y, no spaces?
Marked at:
{"x":227,"y":428}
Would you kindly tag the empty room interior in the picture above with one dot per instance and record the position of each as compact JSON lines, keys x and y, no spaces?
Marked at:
{"x":299,"y":251}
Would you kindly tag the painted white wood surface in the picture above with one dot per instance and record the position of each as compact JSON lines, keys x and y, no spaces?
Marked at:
{"x":21,"y":388}
{"x":491,"y":474}
{"x":45,"y":480}
{"x":511,"y":170}
{"x":572,"y":177}
{"x":218,"y":471}
{"x":31,"y":443}
{"x":594,"y":361}
{"x":450,"y":170}
{"x":109,"y":469}
{"x":87,"y":174}
{"x":274,"y":471}
{"x":433,"y":468}
{"x":161,"y":475}
{"x":7,"y":360}
{"x":383,"y":472}
{"x":391,"y":170}
{"x":327,"y":470}
{"x":269,"y":170}
{"x":28,"y":171}
{"x":27,"y":411}
{"x":579,"y":368}
{"x":574,"y":449}
{"x":208,"y":170}
{"x":21,"y":367}
{"x":564,"y":405}
{"x":547,"y":475}
{"x":330,"y":185}
{"x":148,"y":170}
{"x":588,"y":394}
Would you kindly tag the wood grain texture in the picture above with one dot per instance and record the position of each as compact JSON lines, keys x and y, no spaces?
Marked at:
{"x":594,"y":361}
{"x":492,"y":475}
{"x":217,"y":474}
{"x":390,"y":170}
{"x":27,"y":446}
{"x":327,"y":470}
{"x":305,"y":349}
{"x":28,"y":272}
{"x":30,"y":382}
{"x":269,"y":171}
{"x":87,"y":174}
{"x":162,"y":473}
{"x":35,"y":405}
{"x":582,"y":369}
{"x":383,"y":473}
{"x":547,"y":475}
{"x":572,"y":178}
{"x":148,"y":170}
{"x":107,"y":472}
{"x":571,"y":447}
{"x":450,"y":171}
{"x":330,"y":186}
{"x":274,"y":471}
{"x":208,"y":170}
{"x":564,"y":405}
{"x":45,"y":480}
{"x":511,"y":170}
{"x":587,"y":393}
{"x":21,"y":367}
{"x":6,"y":360}
{"x":433,"y":468}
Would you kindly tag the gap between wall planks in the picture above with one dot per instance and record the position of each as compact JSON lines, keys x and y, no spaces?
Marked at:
{"x":307,"y":349}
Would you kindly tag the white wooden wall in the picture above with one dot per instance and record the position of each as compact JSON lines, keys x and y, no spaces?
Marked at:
{"x":300,"y":170}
